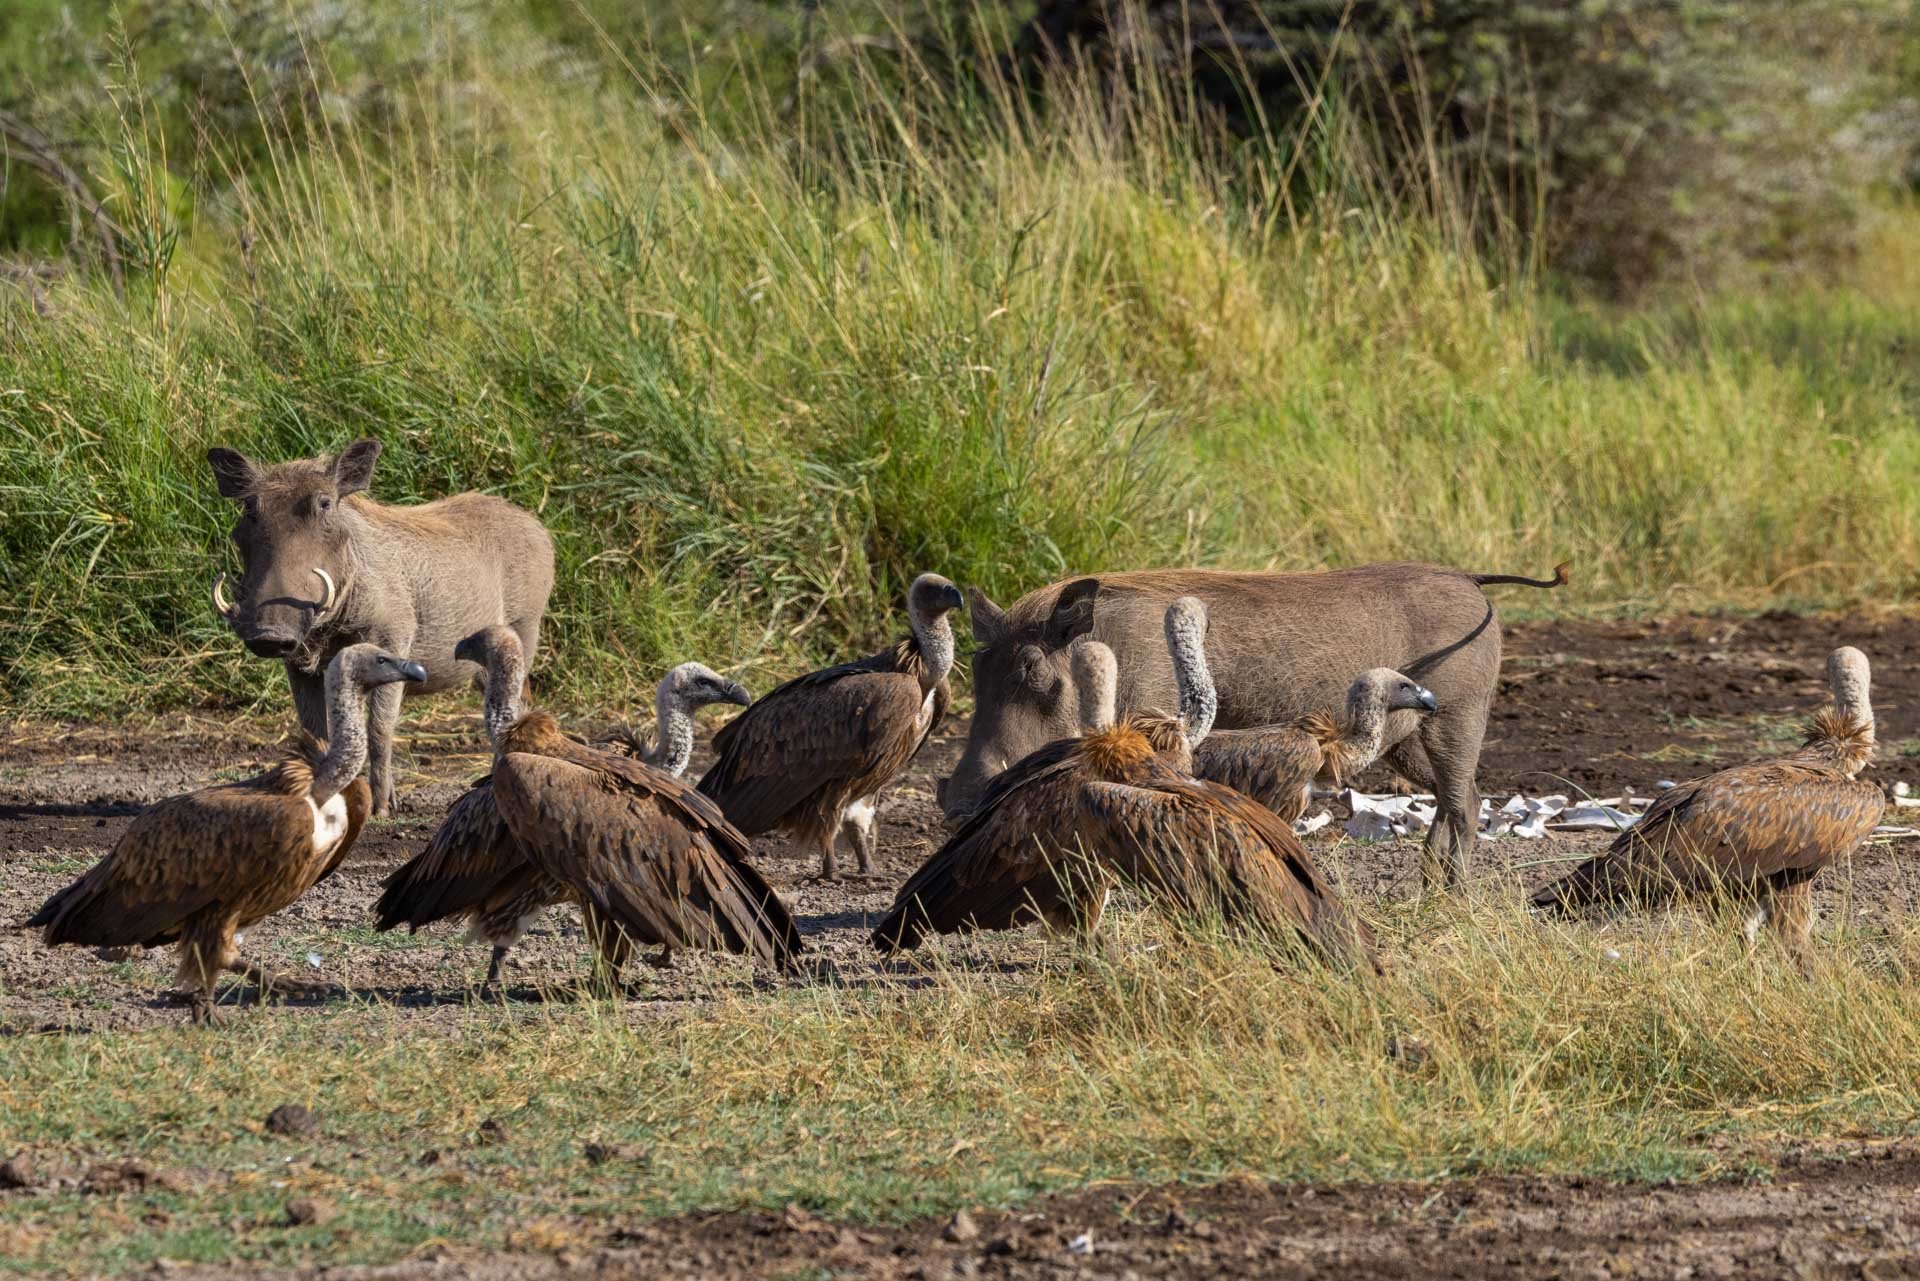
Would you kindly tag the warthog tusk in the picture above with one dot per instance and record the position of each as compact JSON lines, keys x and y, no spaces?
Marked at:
{"x":221,"y":605}
{"x":326,"y":578}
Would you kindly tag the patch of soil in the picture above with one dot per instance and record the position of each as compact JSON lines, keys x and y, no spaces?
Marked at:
{"x":1850,"y":1216}
{"x":1606,"y":706}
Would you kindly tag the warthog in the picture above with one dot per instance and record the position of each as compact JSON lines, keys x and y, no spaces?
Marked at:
{"x":1280,"y":645}
{"x":325,"y":567}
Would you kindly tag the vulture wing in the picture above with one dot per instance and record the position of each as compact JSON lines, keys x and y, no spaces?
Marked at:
{"x":1273,"y":764}
{"x":180,"y":857}
{"x":861,"y":724}
{"x":1004,"y":866}
{"x":470,"y":861}
{"x":1777,"y":822}
{"x":628,"y":843}
{"x":1210,"y":849}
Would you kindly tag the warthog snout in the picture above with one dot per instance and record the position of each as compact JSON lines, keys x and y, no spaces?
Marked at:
{"x":274,"y":628}
{"x":271,"y":644}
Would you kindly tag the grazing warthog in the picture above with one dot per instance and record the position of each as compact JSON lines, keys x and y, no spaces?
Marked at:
{"x":325,"y":567}
{"x":1280,"y":646}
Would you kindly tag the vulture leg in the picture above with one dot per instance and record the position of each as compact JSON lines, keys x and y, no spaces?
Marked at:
{"x":829,"y":859}
{"x":205,"y":951}
{"x":493,"y":969}
{"x":612,"y":947}
{"x":1790,"y":913}
{"x":857,"y":825}
{"x":664,"y":961}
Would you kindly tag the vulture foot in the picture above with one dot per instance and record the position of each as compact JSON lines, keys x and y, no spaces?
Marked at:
{"x":664,"y":961}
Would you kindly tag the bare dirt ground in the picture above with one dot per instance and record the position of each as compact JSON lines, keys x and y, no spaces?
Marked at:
{"x":1850,"y":1214}
{"x":1599,"y":707}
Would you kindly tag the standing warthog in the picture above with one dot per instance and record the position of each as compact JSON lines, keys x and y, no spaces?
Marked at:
{"x":1280,"y":646}
{"x":325,"y":567}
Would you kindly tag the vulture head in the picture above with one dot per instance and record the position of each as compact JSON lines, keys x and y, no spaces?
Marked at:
{"x":498,"y":652}
{"x":1389,"y":691}
{"x":367,"y":665}
{"x":931,"y":599}
{"x":695,"y":685}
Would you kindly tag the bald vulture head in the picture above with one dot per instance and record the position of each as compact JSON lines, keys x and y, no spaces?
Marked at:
{"x":1383,"y":690}
{"x":682,"y":692}
{"x":498,"y":650}
{"x":691,"y":686}
{"x":1849,"y":677}
{"x":929,"y":601}
{"x":366,"y":665}
{"x":1096,"y":680}
{"x":1187,"y":642}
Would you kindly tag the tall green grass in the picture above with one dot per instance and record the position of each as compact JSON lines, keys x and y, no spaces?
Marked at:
{"x":758,"y":355}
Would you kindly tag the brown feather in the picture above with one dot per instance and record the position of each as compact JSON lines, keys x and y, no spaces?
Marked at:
{"x":642,"y":850}
{"x":196,"y":868}
{"x":1079,"y":814}
{"x":1846,"y":745}
{"x":796,"y":758}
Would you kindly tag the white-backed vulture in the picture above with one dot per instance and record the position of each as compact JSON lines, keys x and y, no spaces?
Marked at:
{"x":1113,"y":805}
{"x":1755,"y":834}
{"x":810,"y":757}
{"x":1279,"y":765}
{"x":473,"y":867}
{"x":648,"y":858}
{"x":196,"y":869}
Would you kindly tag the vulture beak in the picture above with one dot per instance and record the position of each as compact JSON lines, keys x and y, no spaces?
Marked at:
{"x":413,"y":672}
{"x":738,"y":694}
{"x":950,"y":598}
{"x":1428,"y":702}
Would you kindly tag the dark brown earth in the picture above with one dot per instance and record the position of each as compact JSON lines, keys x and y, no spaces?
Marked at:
{"x":1602,"y":707}
{"x":1852,"y":1214}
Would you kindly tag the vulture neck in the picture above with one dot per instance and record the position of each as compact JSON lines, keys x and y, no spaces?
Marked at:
{"x":935,"y":640}
{"x":1199,"y":700}
{"x":673,"y":735}
{"x":506,"y":679}
{"x":1366,"y":728}
{"x":346,"y":736}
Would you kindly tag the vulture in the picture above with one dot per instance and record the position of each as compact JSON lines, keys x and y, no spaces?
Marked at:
{"x":1116,"y":805}
{"x":473,"y":867}
{"x":648,"y":858}
{"x":1755,"y":835}
{"x":1278,"y":765}
{"x":195,"y":870}
{"x":810,"y":757}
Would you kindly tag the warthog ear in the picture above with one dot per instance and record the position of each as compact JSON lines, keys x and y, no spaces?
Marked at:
{"x":988,"y":619}
{"x":233,"y":472}
{"x":1073,"y":612}
{"x":353,"y":469}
